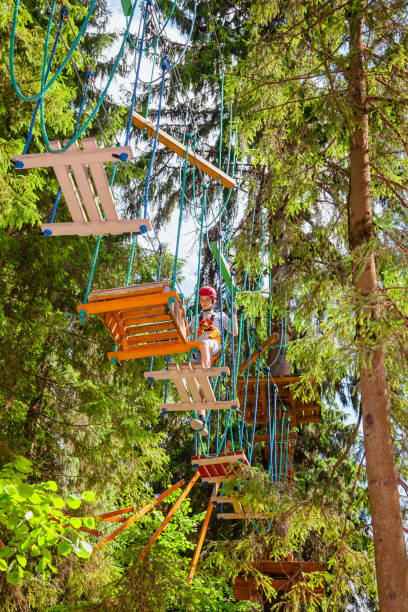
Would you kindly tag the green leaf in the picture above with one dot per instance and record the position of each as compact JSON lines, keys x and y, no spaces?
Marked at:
{"x":22,"y":560}
{"x":25,"y":490}
{"x":13,"y":577}
{"x":35,"y":498}
{"x":73,"y":502}
{"x":64,"y":548}
{"x":3,"y":565}
{"x":58,"y":502}
{"x":51,"y":485}
{"x":23,"y":465}
{"x":88,"y":496}
{"x":6,"y":552}
{"x":89,"y":522}
{"x":75,"y":522}
{"x":42,"y":564}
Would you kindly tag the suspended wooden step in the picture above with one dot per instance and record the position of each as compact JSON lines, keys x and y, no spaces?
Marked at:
{"x":178,"y":147}
{"x":298,"y":412}
{"x":143,"y":320}
{"x":284,"y":574}
{"x":90,"y":202}
{"x":241,"y":511}
{"x":219,"y":468}
{"x":193,"y":385}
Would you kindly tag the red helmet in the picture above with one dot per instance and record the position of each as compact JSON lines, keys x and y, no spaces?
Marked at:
{"x":208,"y":292}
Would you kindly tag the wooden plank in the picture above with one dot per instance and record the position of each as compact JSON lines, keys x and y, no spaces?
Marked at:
{"x":81,"y":227}
{"x":185,"y":406}
{"x":171,"y":372}
{"x":150,"y":312}
{"x":133,"y":330}
{"x":124,"y":344}
{"x":190,"y":379}
{"x":130,"y":321}
{"x":156,"y":337}
{"x":70,"y":157}
{"x":85,"y":188}
{"x":177,"y":147}
{"x":141,"y":289}
{"x":153,"y":350}
{"x":69,"y":190}
{"x":179,"y":319}
{"x":205,"y":386}
{"x":221,"y":458}
{"x":100,"y":179}
{"x":126,"y":303}
{"x":244,"y":515}
{"x":289,"y":568}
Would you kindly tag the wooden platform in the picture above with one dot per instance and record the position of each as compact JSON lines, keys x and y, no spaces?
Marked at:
{"x":180,"y":149}
{"x":84,"y":184}
{"x":143,"y":320}
{"x":193,"y":386}
{"x":220,"y":468}
{"x":298,"y":412}
{"x":284,"y":574}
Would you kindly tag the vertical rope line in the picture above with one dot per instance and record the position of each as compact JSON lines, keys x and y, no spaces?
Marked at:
{"x":203,"y":202}
{"x":256,"y":406}
{"x":269,"y":423}
{"x":63,"y":13}
{"x":275,"y":451}
{"x":232,"y":337}
{"x":246,"y":390}
{"x":165,"y":67}
{"x":131,"y":258}
{"x":281,"y":442}
{"x":270,"y":302}
{"x":183,"y":189}
{"x":139,"y":61}
{"x":221,"y":299}
{"x":287,"y":448}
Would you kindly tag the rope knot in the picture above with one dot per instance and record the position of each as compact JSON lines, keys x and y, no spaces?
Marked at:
{"x":165,"y":62}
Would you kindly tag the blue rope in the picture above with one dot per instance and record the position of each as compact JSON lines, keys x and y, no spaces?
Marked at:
{"x":165,"y":67}
{"x":281,"y":442}
{"x":241,"y":433}
{"x":221,"y":299}
{"x":275,"y":452}
{"x":269,"y":423}
{"x":139,"y":61}
{"x":232,"y":336}
{"x":63,"y":13}
{"x":256,"y":406}
{"x":81,"y":108}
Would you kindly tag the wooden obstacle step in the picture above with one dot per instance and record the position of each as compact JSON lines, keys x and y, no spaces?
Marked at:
{"x":219,"y":468}
{"x":84,"y":184}
{"x":180,"y":149}
{"x":143,"y":320}
{"x":193,"y":385}
{"x":296,"y":410}
{"x":284,"y":575}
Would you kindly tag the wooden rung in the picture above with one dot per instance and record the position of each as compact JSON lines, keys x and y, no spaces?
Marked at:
{"x":143,"y":329}
{"x":173,"y":368}
{"x":97,"y":228}
{"x":222,"y":499}
{"x":244,"y":515}
{"x":196,"y":160}
{"x":153,"y":350}
{"x":126,"y":303}
{"x":130,"y":290}
{"x":85,"y":187}
{"x":70,"y":157}
{"x":131,"y":320}
{"x":184,"y":406}
{"x":156,"y":337}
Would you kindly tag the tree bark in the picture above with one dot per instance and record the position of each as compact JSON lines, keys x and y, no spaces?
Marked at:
{"x":389,"y":545}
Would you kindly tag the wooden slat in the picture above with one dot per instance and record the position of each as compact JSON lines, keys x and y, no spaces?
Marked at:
{"x":68,"y":189}
{"x":69,"y":157}
{"x":153,"y":350}
{"x":101,"y":181}
{"x":150,"y":312}
{"x":244,"y":515}
{"x":178,"y":147}
{"x":131,"y":290}
{"x":289,"y":568}
{"x":126,"y":303}
{"x":221,"y":458}
{"x":81,"y":227}
{"x":124,"y":344}
{"x":205,"y":386}
{"x":149,"y":338}
{"x":179,"y":319}
{"x":140,"y":320}
{"x":85,"y":188}
{"x":132,"y":330}
{"x":185,"y":406}
{"x":163,"y":374}
{"x":190,"y":379}
{"x":183,"y":393}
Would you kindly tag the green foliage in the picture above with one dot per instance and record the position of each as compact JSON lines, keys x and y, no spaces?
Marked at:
{"x":33,"y":525}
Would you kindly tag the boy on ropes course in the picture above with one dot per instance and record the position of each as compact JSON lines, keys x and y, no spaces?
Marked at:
{"x":209,"y":335}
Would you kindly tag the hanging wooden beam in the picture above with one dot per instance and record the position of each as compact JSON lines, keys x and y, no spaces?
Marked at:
{"x":173,"y":510}
{"x":201,"y":537}
{"x":178,"y":147}
{"x":137,"y":516}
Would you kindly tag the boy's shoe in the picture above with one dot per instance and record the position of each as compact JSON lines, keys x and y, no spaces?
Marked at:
{"x":198,"y":424}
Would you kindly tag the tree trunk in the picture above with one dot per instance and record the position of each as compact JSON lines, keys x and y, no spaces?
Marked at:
{"x":389,"y":546}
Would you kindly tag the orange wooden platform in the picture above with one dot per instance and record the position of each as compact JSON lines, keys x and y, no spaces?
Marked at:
{"x":143,"y":320}
{"x":284,"y":574}
{"x":297,"y":411}
{"x":219,"y":468}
